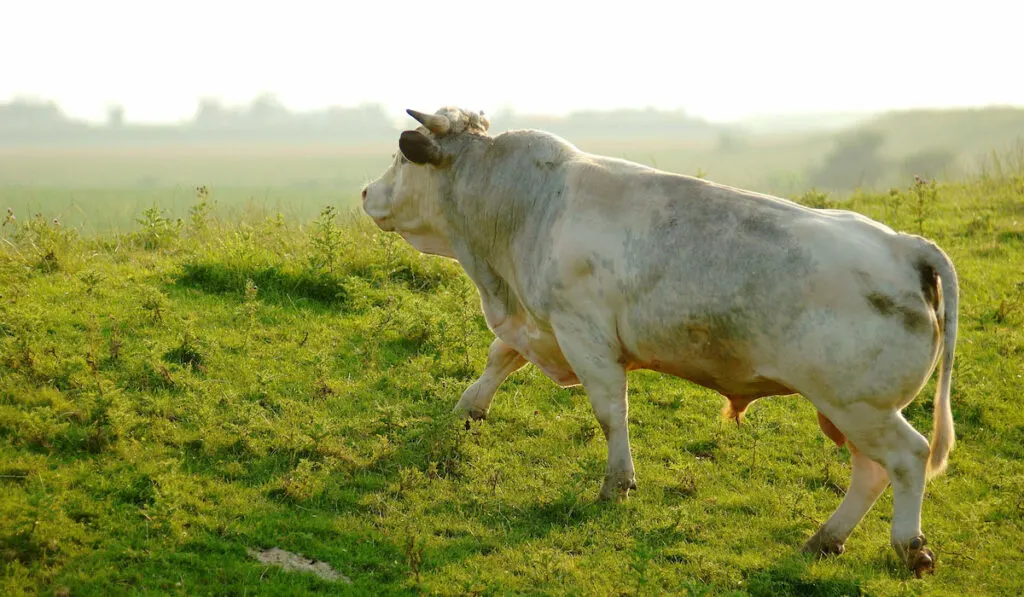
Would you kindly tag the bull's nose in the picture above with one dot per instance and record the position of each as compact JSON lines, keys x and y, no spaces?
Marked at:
{"x":364,"y":193}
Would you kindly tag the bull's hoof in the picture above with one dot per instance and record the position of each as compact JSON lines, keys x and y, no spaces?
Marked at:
{"x":468,"y":412}
{"x":821,"y":545}
{"x":924,"y":561}
{"x":616,"y":487}
{"x":916,"y":556}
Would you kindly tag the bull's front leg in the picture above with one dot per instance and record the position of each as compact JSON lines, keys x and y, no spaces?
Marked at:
{"x":502,"y":361}
{"x":594,"y":358}
{"x":607,"y":393}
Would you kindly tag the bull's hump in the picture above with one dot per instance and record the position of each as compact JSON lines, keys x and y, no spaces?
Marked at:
{"x":536,"y":144}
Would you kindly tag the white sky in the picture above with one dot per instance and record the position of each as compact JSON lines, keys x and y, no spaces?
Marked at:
{"x":721,"y":59}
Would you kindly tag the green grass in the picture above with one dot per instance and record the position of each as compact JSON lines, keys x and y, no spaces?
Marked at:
{"x":103,"y":190}
{"x":170,"y":397}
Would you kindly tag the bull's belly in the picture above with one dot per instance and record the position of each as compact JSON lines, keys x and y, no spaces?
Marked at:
{"x":726,"y":374}
{"x":732,"y":379}
{"x":705,"y":356}
{"x":539,"y":347}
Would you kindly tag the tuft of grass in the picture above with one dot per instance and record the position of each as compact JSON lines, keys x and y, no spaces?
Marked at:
{"x":157,"y":229}
{"x":925,"y":194}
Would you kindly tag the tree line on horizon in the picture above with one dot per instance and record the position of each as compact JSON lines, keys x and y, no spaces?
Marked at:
{"x":858,"y":157}
{"x":266,"y":119}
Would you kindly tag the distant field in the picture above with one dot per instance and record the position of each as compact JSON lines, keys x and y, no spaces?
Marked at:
{"x":105,"y":210}
{"x":104,"y":189}
{"x":215,"y":164}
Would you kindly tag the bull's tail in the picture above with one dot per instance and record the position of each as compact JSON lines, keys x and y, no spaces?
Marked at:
{"x":935,"y":263}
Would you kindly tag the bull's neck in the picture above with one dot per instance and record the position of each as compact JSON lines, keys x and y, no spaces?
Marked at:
{"x":497,"y":205}
{"x":486,"y":253}
{"x":481,"y":211}
{"x":496,"y":287}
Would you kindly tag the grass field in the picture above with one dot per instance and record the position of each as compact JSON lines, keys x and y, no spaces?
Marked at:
{"x":102,"y":190}
{"x":177,"y":395}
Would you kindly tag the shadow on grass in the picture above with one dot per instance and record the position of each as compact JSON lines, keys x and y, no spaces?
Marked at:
{"x":274,"y":283}
{"x":385,"y":559}
{"x":297,"y":287}
{"x":435,"y":446}
{"x":789,"y":576}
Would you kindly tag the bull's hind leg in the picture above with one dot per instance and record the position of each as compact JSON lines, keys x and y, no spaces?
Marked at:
{"x":906,"y":463}
{"x":502,"y":361}
{"x":886,"y":438}
{"x":868,"y":480}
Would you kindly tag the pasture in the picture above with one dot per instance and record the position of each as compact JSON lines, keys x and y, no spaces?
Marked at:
{"x":101,"y":190}
{"x":175,"y":394}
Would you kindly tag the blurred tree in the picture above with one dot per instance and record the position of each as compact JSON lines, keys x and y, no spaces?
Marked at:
{"x":929,"y":164}
{"x":115,"y":116}
{"x":854,"y":162}
{"x":23,"y":113}
{"x":210,"y":113}
{"x":266,"y":109}
{"x":731,"y":141}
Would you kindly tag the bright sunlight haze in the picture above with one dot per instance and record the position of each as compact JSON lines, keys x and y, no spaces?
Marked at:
{"x":717,"y":60}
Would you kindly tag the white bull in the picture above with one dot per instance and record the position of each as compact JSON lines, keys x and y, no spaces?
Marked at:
{"x":589,"y":267}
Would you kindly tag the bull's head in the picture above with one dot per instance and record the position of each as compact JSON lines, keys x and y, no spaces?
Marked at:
{"x":406,"y":198}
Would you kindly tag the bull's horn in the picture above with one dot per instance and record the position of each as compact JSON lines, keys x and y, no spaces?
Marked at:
{"x":435,"y":123}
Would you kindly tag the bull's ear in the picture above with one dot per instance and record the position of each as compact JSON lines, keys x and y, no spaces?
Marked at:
{"x":419,"y":148}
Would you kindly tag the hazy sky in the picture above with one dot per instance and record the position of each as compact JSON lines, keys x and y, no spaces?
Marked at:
{"x":715,"y":58}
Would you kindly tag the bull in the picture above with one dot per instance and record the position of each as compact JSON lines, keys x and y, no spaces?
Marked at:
{"x":589,"y":267}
